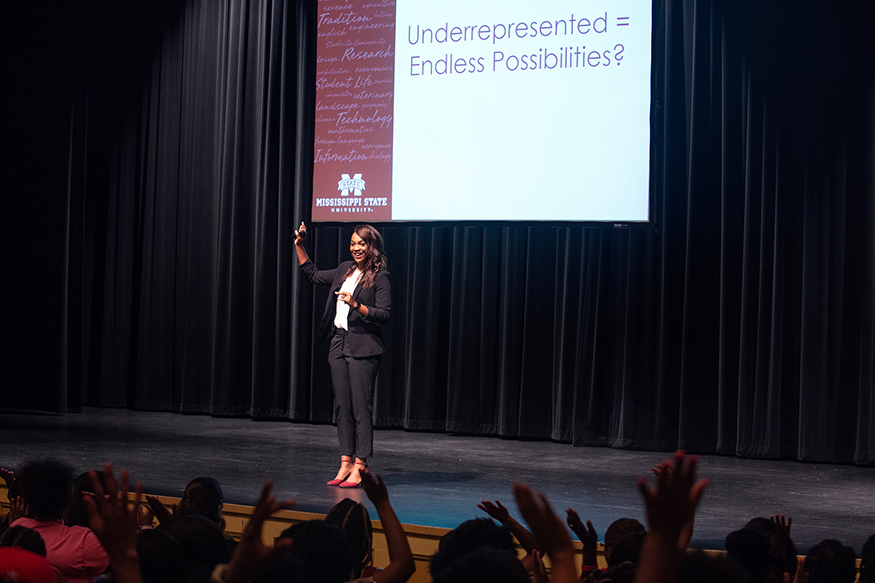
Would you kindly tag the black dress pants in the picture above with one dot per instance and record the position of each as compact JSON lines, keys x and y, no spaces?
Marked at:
{"x":353,"y":382}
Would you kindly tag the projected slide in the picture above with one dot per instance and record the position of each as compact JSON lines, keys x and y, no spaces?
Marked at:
{"x":479,"y":110}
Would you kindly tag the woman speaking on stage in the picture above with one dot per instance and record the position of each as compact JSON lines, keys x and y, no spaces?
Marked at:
{"x":361,"y":302}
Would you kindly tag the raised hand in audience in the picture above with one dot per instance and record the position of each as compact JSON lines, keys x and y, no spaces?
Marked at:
{"x":669,"y":506}
{"x":785,"y":524}
{"x":495,"y":510}
{"x":587,"y":536}
{"x":550,"y":533}
{"x":17,"y":509}
{"x":14,"y":514}
{"x":115,"y":523}
{"x":498,"y":512}
{"x":7,"y":476}
{"x":145,"y":516}
{"x":401,"y":565}
{"x":251,"y":554}
{"x":166,"y":516}
{"x":686,"y":534}
{"x":672,"y":502}
{"x":537,"y":570}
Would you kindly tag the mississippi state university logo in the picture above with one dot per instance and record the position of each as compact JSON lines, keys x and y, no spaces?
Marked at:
{"x":354,"y":184}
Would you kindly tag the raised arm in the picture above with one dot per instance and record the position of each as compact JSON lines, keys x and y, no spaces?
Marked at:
{"x":687,"y":532}
{"x":115,"y":524}
{"x":300,"y":235}
{"x":17,"y":509}
{"x":8,"y":476}
{"x":587,"y":536}
{"x":401,"y":565}
{"x":166,"y":516}
{"x":251,"y":554}
{"x":784,"y":523}
{"x":501,"y":514}
{"x":550,"y":534}
{"x":669,"y":505}
{"x":317,"y":276}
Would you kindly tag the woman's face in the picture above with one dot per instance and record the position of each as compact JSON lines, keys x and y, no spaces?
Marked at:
{"x":358,"y":248}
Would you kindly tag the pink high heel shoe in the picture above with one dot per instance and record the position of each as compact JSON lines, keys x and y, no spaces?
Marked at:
{"x":339,"y":481}
{"x":345,"y":484}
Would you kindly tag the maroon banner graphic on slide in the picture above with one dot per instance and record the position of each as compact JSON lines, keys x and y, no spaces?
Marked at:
{"x":352,"y":178}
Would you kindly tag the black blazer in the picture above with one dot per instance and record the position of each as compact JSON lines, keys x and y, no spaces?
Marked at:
{"x":365,"y":338}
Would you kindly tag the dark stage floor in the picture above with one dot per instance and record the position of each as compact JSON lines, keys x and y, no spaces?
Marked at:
{"x":438,"y":479}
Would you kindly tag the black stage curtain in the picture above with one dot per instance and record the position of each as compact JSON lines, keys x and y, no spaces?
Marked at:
{"x":741,"y":323}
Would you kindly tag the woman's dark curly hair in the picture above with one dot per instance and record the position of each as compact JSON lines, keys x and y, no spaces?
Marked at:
{"x":47,"y":487}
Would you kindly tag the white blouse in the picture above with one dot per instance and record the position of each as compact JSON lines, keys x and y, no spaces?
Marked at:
{"x":341,"y":315}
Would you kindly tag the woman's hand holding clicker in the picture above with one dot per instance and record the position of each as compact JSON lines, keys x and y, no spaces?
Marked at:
{"x":300,"y":234}
{"x":300,"y":250}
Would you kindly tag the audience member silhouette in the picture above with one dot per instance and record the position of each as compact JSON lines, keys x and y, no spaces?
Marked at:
{"x":25,"y":538}
{"x":189,"y":546}
{"x":46,"y":487}
{"x":77,"y":514}
{"x":829,"y":561}
{"x":354,"y":519}
{"x":867,"y":561}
